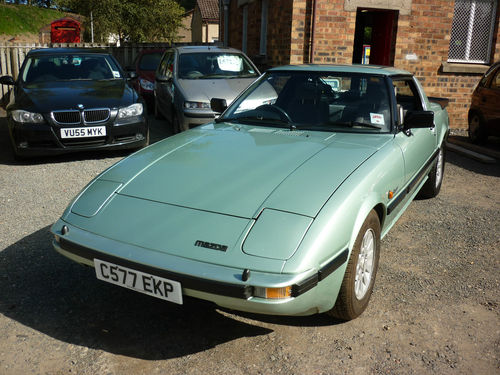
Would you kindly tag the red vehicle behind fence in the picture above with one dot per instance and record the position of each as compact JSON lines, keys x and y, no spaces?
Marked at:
{"x":65,"y":30}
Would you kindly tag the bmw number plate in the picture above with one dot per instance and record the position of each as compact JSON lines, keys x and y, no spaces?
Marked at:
{"x":89,"y":131}
{"x":155,"y":286}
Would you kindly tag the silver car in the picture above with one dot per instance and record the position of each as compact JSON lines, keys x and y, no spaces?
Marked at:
{"x":188,"y":77}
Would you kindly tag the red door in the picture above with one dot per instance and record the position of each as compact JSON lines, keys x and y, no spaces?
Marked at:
{"x":382,"y":38}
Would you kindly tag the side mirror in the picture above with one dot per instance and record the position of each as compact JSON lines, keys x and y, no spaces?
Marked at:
{"x":131,"y":75}
{"x":161,"y":78}
{"x":418,"y":119}
{"x":7,"y":80}
{"x":218,"y":105}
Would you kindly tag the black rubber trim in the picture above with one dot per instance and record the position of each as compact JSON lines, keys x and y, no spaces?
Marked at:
{"x":203,"y":285}
{"x":190,"y":282}
{"x":416,"y":180}
{"x":333,"y":265}
{"x":327,"y":269}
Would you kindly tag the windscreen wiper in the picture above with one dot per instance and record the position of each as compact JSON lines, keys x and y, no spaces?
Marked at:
{"x":352,"y":124}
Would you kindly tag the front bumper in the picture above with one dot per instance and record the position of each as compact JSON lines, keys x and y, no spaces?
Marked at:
{"x":45,"y":139}
{"x":192,"y":119}
{"x":313,"y":291}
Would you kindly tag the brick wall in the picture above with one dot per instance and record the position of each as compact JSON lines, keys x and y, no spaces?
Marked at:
{"x":334,"y":33}
{"x":421,"y":47}
{"x":278,"y":30}
{"x":426,"y":34}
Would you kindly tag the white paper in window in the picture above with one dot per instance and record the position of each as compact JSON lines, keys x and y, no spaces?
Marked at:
{"x":229,"y":63}
{"x":377,"y":118}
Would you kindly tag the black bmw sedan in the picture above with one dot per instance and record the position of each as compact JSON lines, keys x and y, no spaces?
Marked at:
{"x":68,"y":99}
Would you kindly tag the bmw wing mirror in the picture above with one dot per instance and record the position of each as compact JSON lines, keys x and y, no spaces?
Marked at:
{"x":7,"y":80}
{"x":131,"y":75}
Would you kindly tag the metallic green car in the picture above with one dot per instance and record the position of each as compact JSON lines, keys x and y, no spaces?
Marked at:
{"x":277,"y":207}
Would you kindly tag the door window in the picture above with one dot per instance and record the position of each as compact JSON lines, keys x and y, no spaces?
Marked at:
{"x":407,"y":94}
{"x":166,"y":67}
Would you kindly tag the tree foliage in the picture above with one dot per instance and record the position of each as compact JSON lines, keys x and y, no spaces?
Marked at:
{"x":130,"y":20}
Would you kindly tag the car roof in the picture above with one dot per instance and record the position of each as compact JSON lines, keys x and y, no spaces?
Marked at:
{"x":60,"y":51}
{"x":354,"y":68}
{"x":201,"y":49}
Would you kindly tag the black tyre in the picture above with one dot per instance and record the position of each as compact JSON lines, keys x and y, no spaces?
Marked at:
{"x":359,"y":277}
{"x":432,"y":186}
{"x":477,"y":131}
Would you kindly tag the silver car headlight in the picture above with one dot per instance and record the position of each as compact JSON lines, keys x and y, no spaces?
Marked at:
{"x":131,"y":111}
{"x":196,"y":105}
{"x":19,"y":115}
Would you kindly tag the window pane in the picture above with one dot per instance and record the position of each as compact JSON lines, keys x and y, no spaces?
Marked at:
{"x":471,"y":33}
{"x":481,"y":31}
{"x":458,"y":41}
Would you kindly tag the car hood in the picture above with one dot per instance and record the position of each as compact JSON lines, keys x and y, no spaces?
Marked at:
{"x":202,"y":90}
{"x":199,"y":194}
{"x":46,"y":97}
{"x":240,"y":171}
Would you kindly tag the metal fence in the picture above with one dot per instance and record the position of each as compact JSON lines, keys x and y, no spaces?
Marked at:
{"x":12,"y":54}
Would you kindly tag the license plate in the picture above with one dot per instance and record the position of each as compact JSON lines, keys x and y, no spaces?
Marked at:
{"x":89,"y":131}
{"x":152,"y":285}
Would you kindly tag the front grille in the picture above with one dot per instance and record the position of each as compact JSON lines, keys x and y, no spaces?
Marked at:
{"x":90,"y":116}
{"x":96,"y":115}
{"x":67,"y":117}
{"x":84,"y":142}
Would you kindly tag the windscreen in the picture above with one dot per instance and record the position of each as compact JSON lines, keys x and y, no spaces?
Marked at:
{"x":208,"y":65}
{"x":150,"y":61}
{"x":70,"y":67}
{"x":316,"y":101}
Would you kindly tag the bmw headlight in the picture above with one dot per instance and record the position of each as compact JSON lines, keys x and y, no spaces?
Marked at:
{"x":130,"y":111}
{"x":196,"y":105}
{"x":146,"y":85}
{"x":19,"y":115}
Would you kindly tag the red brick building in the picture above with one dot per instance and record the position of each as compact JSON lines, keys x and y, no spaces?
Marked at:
{"x":447,"y":44}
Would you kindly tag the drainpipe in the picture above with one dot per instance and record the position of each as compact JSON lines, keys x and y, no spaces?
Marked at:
{"x":226,"y":21}
{"x":313,"y":31}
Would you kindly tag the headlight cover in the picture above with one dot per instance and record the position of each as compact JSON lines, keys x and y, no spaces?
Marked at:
{"x":276,"y":234}
{"x":130,"y":111}
{"x":196,"y":105}
{"x":22,"y":116}
{"x":146,"y":85}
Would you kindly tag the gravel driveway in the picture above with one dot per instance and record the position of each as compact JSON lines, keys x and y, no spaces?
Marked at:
{"x":435,"y":307}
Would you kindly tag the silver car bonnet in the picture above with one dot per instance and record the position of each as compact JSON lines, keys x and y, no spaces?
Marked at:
{"x":202,"y":90}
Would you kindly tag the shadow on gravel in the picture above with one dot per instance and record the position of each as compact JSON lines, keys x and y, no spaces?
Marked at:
{"x":472,"y":165}
{"x":158,"y":131}
{"x":43,"y":290}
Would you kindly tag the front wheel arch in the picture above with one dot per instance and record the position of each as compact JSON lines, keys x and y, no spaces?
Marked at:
{"x":359,"y":278}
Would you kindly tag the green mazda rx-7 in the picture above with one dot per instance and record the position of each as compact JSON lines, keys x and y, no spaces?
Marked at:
{"x":276,"y":207}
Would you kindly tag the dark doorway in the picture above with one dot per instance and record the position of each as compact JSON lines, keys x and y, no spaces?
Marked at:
{"x":375,"y":36}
